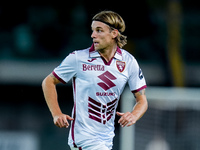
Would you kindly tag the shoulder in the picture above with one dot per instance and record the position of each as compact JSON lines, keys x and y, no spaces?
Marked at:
{"x":126,"y":56}
{"x":80,"y":54}
{"x":82,"y":51}
{"x":77,"y":54}
{"x":130,"y":61}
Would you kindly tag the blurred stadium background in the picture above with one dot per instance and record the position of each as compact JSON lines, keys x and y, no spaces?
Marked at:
{"x":163,"y":36}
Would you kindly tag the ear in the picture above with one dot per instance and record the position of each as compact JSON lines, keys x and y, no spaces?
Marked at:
{"x":115,"y":33}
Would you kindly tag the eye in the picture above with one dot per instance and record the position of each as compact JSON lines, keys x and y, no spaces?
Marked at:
{"x":99,"y":30}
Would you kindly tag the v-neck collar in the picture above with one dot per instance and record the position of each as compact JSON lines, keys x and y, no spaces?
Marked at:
{"x":94,"y":54}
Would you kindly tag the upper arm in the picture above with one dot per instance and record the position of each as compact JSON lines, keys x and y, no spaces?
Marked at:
{"x":139,"y":93}
{"x":67,"y":69}
{"x":51,"y":79}
{"x":140,"y":96}
{"x":136,"y":79}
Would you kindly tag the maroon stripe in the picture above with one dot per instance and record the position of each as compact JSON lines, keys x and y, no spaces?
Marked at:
{"x":77,"y":147}
{"x":94,"y":102}
{"x":109,"y":108}
{"x":110,"y":103}
{"x":119,"y":51}
{"x":105,"y":62}
{"x":92,"y":49}
{"x":104,"y":122}
{"x":94,"y":118}
{"x":94,"y":107}
{"x":110,"y":111}
{"x":143,"y":87}
{"x":61,"y":80}
{"x":108,"y":118}
{"x":73,"y":122}
{"x":74,"y":145}
{"x":93,"y":112}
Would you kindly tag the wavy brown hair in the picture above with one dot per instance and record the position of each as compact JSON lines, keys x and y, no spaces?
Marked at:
{"x":115,"y":21}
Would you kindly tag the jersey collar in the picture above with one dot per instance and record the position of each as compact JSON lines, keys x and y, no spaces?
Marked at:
{"x":93,"y":53}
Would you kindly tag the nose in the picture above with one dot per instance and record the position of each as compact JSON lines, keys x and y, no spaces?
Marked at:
{"x":93,"y":35}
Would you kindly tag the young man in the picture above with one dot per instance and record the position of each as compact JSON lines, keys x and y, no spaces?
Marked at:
{"x":99,"y":75}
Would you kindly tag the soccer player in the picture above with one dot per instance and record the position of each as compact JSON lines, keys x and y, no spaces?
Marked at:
{"x":99,"y":74}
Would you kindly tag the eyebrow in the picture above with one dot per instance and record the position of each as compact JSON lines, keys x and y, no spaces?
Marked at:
{"x":98,"y":27}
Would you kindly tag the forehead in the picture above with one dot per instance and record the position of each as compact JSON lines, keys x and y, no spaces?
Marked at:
{"x":98,"y":24}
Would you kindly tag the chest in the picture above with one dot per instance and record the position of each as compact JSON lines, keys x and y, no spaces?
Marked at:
{"x":106,"y":76}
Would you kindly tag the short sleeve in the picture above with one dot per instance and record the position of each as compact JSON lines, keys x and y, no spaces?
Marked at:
{"x":67,"y":69}
{"x":136,"y":80}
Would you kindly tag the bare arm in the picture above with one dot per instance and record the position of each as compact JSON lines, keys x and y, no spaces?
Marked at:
{"x":50,"y":94}
{"x":130,"y":118}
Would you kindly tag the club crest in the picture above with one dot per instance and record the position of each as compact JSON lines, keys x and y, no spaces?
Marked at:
{"x":120,"y":65}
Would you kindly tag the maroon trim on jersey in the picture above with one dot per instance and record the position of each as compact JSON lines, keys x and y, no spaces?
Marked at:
{"x":95,"y":118}
{"x":99,"y":112}
{"x":94,"y":53}
{"x":119,"y":51}
{"x":95,"y":102}
{"x":92,"y":49}
{"x":61,"y":80}
{"x":105,"y":62}
{"x":77,"y":147}
{"x":94,"y":107}
{"x":143,"y":87}
{"x":74,"y":116}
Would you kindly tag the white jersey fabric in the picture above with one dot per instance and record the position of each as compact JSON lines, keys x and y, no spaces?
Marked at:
{"x":97,"y":86}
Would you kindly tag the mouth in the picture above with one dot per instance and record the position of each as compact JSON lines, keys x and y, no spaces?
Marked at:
{"x":96,"y":43}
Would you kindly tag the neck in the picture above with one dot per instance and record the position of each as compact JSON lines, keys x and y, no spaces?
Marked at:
{"x":109,"y":52}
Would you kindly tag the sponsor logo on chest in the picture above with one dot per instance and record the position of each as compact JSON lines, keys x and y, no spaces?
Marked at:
{"x":93,"y":67}
{"x":106,"y":78}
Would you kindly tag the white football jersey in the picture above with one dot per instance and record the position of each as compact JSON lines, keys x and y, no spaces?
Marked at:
{"x":97,"y":86}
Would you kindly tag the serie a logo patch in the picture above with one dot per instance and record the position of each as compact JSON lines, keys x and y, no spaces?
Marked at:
{"x":140,"y":74}
{"x":120,"y":65}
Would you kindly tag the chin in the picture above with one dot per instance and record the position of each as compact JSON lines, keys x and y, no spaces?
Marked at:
{"x":96,"y":48}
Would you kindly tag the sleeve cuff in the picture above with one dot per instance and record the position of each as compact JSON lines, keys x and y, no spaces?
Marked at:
{"x":143,"y":87}
{"x":61,"y":80}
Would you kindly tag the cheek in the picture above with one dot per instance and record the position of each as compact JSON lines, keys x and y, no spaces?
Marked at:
{"x":106,"y":39}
